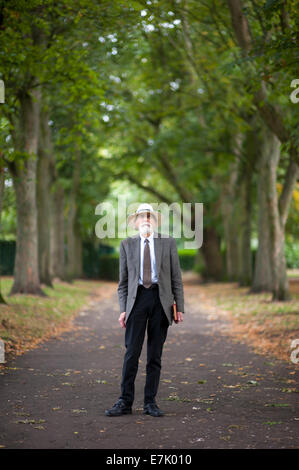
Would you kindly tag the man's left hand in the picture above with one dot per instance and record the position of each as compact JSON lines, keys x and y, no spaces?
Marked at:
{"x":180,"y":317}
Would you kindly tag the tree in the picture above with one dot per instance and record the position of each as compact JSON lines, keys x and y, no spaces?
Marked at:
{"x":2,"y":181}
{"x":38,"y":34}
{"x":280,"y":132}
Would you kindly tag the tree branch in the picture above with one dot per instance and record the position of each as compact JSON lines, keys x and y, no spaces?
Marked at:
{"x":172,"y":178}
{"x":270,"y":114}
{"x":240,"y":25}
{"x":150,"y":189}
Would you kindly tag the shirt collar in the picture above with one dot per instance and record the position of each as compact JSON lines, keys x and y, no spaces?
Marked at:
{"x":150,"y":238}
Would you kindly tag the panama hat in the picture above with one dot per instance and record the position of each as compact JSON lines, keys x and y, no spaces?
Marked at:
{"x":143,"y":208}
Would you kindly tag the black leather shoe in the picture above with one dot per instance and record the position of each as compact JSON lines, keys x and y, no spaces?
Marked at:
{"x":120,"y":408}
{"x":152,"y":409}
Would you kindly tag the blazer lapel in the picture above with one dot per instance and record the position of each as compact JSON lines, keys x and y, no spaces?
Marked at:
{"x":135,"y":251}
{"x":158,"y":252}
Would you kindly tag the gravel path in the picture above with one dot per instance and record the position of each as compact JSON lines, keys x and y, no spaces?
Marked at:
{"x":216,"y":393}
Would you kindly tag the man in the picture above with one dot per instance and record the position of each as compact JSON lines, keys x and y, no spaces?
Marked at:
{"x":149,"y":282}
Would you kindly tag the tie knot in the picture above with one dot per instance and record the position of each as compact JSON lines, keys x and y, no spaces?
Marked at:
{"x":146,"y":240}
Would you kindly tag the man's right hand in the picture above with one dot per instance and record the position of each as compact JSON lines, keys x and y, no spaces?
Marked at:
{"x":122,"y":319}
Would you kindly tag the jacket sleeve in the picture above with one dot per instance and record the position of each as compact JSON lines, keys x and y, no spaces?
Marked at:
{"x":123,"y":278}
{"x":176,"y":277}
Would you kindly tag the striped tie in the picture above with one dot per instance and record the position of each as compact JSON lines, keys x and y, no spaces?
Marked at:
{"x":147,"y":272}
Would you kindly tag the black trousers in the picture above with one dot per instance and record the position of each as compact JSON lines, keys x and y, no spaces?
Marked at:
{"x":147,"y":312}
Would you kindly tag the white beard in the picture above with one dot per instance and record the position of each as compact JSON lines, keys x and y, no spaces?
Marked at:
{"x":143,"y":229}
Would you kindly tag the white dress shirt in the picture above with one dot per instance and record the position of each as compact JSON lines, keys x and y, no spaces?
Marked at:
{"x":153,"y":258}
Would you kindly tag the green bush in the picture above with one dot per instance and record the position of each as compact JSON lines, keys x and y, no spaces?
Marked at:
{"x":109,"y":264}
{"x":187,"y":259}
{"x":106,"y":265}
{"x":292,"y":255}
{"x":109,"y":267}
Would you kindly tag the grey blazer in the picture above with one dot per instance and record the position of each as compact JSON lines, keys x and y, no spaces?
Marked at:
{"x":168,"y":272}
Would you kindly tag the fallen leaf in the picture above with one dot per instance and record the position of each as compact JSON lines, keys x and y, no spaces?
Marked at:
{"x":225,"y":438}
{"x":252,"y":382}
{"x":30,"y":421}
{"x":277,"y":404}
{"x":232,"y":386}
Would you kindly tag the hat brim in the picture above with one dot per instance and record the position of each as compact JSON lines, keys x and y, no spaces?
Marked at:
{"x":132,"y":218}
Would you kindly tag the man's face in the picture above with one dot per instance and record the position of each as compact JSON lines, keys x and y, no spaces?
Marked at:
{"x":145,"y":222}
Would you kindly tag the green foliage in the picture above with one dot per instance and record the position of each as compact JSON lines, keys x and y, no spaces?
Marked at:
{"x":109,"y":267}
{"x":150,"y":94}
{"x":292,"y":255}
{"x":187,"y":259}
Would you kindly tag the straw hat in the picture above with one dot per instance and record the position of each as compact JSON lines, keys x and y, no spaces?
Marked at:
{"x":143,"y":208}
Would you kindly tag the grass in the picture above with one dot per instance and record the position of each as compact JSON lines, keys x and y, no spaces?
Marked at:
{"x":269,"y":327}
{"x":293,"y":273}
{"x":260,"y":309}
{"x":27,"y":320}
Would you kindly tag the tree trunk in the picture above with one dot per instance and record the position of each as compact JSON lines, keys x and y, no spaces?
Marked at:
{"x":251,"y":146}
{"x":78,"y":253}
{"x":270,"y":267}
{"x":236,"y":212}
{"x":57,"y":232}
{"x":245,"y":258}
{"x":71,"y":266}
{"x":262,"y":280}
{"x":211,"y":254}
{"x":43,"y":199}
{"x":26,"y":274}
{"x":2,"y":181}
{"x":231,"y":232}
{"x":57,"y":223}
{"x":280,"y":284}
